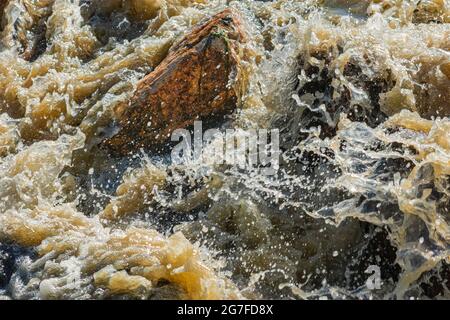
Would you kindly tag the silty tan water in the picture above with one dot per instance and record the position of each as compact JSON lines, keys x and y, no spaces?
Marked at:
{"x":360,"y":91}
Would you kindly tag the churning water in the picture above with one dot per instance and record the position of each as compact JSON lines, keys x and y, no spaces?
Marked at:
{"x":359,"y":207}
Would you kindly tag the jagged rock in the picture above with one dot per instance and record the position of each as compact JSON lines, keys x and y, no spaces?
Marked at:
{"x":194,"y":81}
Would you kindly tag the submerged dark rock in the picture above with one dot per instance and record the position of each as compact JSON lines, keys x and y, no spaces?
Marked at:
{"x":113,"y":19}
{"x":10,"y":256}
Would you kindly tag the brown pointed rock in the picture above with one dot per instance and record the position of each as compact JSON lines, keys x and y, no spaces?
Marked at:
{"x":195,"y":81}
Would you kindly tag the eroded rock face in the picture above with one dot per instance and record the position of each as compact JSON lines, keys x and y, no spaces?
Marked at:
{"x":194,"y":81}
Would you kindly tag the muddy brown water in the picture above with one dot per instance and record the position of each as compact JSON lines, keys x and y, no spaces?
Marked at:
{"x":359,"y":91}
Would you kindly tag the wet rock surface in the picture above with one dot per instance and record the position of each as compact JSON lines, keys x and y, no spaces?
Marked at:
{"x":194,"y":81}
